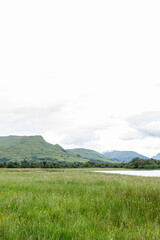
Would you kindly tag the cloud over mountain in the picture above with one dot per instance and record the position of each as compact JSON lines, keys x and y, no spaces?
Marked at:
{"x":146,"y":124}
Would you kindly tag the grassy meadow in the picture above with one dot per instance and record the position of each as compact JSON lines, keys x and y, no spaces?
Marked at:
{"x":77,"y":204}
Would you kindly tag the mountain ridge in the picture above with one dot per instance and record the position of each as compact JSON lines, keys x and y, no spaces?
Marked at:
{"x":91,"y":154}
{"x":124,"y":156}
{"x":35,"y":148}
{"x":157,"y":156}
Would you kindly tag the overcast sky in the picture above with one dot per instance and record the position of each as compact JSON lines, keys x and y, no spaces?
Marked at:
{"x":82,"y":73}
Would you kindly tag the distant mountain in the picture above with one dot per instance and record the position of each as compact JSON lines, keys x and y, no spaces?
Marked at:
{"x":124,"y":156}
{"x":157,"y":156}
{"x":35,"y":148}
{"x":91,"y":155}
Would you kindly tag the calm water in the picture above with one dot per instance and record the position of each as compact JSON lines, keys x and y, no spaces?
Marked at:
{"x":145,"y":173}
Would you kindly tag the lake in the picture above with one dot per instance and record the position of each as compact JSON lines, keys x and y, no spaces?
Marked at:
{"x":144,"y":173}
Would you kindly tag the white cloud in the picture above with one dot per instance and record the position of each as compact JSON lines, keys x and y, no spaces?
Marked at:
{"x":146,"y":124}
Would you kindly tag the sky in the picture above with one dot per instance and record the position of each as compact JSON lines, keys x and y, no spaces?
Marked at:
{"x":82,"y":73}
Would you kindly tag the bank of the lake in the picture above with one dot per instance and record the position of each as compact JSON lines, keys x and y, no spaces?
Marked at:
{"x":78,"y":204}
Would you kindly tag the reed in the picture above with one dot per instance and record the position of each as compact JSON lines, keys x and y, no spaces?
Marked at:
{"x":77,"y":204}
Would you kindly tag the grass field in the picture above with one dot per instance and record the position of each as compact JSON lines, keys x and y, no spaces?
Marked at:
{"x":77,"y":204}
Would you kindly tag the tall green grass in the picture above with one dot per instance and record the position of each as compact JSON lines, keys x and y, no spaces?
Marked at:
{"x":77,"y":204}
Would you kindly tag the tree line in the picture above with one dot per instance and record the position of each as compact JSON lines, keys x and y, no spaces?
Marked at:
{"x":135,"y":163}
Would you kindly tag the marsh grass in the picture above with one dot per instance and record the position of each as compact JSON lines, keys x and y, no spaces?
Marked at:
{"x":77,"y":204}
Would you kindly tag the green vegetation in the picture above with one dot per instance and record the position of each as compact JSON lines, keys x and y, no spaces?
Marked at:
{"x":35,"y":148}
{"x":77,"y":204}
{"x":91,"y":155}
{"x":135,"y":163}
{"x":124,"y":156}
{"x":143,"y":163}
{"x":47,"y":164}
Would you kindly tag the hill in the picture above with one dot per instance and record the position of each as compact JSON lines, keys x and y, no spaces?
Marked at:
{"x":91,"y":155}
{"x":124,"y":156}
{"x":35,"y":148}
{"x":157,"y":156}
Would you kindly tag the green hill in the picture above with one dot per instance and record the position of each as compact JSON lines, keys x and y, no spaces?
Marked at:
{"x":35,"y":148}
{"x":124,"y":156}
{"x":91,"y":155}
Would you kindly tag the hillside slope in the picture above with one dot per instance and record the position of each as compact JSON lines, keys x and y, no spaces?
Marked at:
{"x":91,"y":155}
{"x":33,"y":148}
{"x":124,"y":156}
